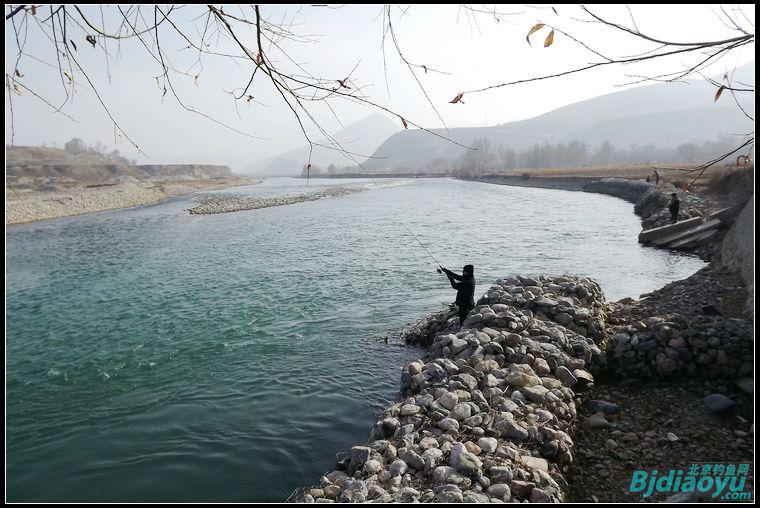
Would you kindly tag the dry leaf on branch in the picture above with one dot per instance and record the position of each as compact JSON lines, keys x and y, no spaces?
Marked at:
{"x":549,"y":39}
{"x":720,"y":91}
{"x":533,"y":30}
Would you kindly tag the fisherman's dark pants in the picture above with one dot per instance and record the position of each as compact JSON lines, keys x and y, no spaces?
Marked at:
{"x":674,"y":216}
{"x":463,"y":311}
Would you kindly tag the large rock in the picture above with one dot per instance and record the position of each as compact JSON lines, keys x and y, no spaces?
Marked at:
{"x":719,"y":404}
{"x":359,"y":455}
{"x":602,"y":406}
{"x":596,"y":421}
{"x":463,"y":461}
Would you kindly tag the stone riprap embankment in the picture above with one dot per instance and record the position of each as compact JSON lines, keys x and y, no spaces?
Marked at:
{"x":703,"y":346}
{"x":28,"y":207}
{"x":236,"y":203}
{"x":630,"y":190}
{"x":486,"y":415}
{"x":650,"y":201}
{"x":573,"y":183}
{"x":698,"y":226}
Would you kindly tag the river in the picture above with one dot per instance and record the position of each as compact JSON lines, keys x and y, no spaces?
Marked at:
{"x":153,"y":355}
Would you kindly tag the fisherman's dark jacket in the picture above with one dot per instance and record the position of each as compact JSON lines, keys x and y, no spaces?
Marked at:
{"x":465,"y":286}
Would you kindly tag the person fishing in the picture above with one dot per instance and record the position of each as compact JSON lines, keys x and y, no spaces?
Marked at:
{"x":674,"y":206}
{"x":465,"y":286}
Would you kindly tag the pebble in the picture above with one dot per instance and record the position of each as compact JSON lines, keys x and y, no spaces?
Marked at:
{"x":449,"y":424}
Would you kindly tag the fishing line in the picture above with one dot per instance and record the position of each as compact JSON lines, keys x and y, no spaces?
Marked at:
{"x":419,"y":242}
{"x":407,"y":229}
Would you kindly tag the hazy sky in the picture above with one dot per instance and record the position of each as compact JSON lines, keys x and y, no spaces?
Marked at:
{"x":474,"y":49}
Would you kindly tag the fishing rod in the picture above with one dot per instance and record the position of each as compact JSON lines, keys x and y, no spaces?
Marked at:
{"x":426,"y":250}
{"x":410,"y":232}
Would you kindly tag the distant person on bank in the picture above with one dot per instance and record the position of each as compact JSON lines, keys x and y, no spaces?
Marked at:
{"x":674,"y":207}
{"x":656,"y":178}
{"x":465,"y":286}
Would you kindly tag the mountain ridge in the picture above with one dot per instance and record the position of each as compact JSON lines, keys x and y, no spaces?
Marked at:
{"x":360,"y":137}
{"x":661,"y":114}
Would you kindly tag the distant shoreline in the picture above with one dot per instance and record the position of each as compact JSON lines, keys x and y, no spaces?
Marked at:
{"x":382,"y":175}
{"x":31,"y":206}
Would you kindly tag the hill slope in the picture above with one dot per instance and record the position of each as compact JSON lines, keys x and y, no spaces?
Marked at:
{"x":31,"y":162}
{"x":361,"y":137}
{"x":665,"y":115}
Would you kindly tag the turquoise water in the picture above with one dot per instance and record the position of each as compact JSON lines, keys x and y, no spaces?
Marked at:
{"x":157,"y":355}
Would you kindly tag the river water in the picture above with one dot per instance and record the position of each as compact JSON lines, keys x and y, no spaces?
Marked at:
{"x":157,"y":355}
